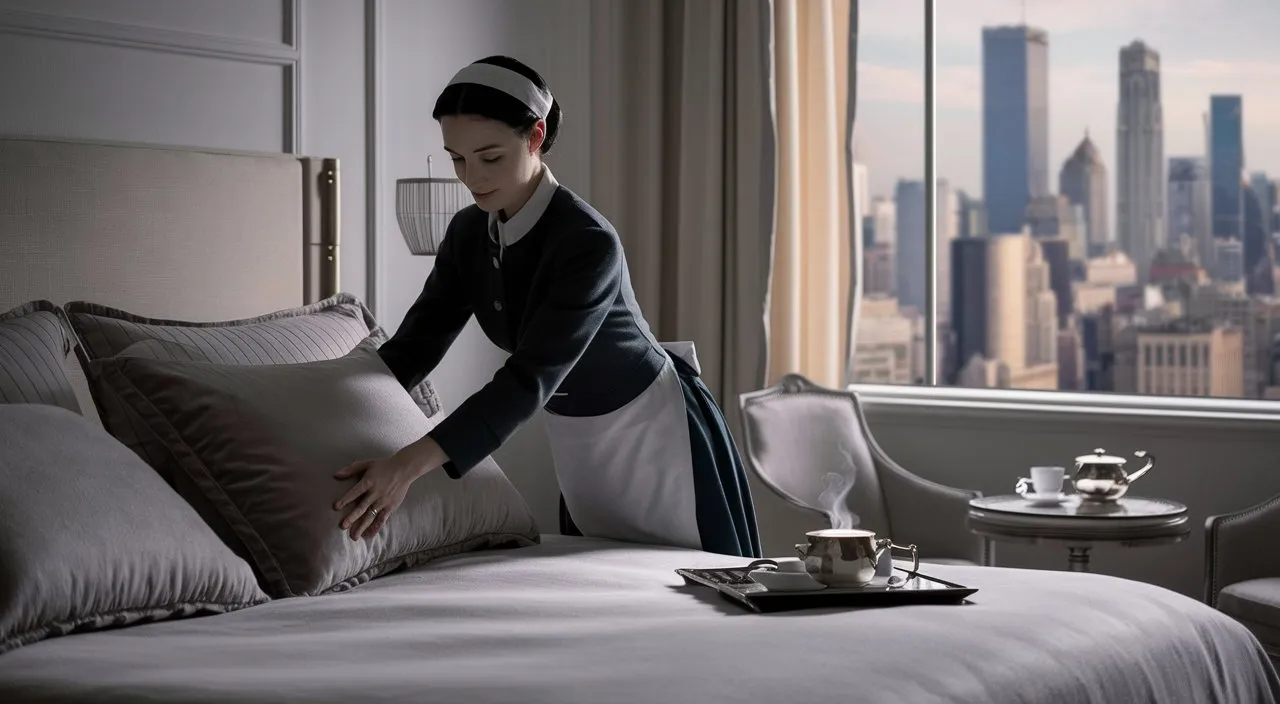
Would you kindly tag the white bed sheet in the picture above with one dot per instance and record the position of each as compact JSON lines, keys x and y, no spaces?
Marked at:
{"x":578,"y":620}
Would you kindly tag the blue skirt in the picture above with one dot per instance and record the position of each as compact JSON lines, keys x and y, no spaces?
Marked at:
{"x":726,"y":514}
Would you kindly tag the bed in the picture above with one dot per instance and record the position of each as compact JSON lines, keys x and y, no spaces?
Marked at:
{"x":176,"y":547}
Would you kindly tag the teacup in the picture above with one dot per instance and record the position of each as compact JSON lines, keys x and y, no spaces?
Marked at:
{"x":1045,"y":481}
{"x":848,"y":557}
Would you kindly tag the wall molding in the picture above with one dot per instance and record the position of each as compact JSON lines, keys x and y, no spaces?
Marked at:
{"x":294,"y":136}
{"x":286,"y":54}
{"x":169,"y":41}
{"x":373,"y":130}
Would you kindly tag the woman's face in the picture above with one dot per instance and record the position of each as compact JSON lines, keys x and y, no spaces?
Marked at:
{"x":494,"y":162}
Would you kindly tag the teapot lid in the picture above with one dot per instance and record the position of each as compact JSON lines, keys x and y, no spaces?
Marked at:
{"x":1100,"y":456}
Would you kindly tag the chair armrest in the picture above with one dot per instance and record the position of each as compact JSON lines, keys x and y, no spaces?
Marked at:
{"x":931,"y":515}
{"x":1241,"y":546}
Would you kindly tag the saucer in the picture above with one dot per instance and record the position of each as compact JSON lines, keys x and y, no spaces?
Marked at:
{"x":1044,"y":499}
{"x":776,"y":581}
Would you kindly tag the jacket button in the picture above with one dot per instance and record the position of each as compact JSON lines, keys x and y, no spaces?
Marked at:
{"x":497,"y":305}
{"x":495,"y":262}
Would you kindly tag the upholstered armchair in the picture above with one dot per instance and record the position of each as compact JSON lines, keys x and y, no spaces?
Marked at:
{"x":1242,"y":569}
{"x":805,"y":442}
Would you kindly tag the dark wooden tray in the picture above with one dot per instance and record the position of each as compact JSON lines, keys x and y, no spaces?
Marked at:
{"x":733,"y":584}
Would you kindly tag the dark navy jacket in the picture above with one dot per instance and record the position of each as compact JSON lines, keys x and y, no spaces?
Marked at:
{"x":559,"y":301}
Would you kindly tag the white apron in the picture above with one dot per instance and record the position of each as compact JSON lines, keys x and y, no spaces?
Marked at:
{"x":628,"y":474}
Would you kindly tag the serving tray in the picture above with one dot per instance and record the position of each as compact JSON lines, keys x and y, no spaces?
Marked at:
{"x":734,"y":584}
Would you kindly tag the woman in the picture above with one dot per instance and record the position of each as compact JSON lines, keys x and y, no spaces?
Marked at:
{"x":641,"y":450}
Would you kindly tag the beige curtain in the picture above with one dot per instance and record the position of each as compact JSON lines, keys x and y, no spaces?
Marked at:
{"x":816,"y":283}
{"x":683,"y":165}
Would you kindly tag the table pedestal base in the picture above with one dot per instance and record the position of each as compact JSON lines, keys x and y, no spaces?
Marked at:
{"x":1077,"y":558}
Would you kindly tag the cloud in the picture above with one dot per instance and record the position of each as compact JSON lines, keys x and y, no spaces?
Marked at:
{"x":1215,"y":70}
{"x":890,"y":130}
{"x":1185,"y":84}
{"x":958,"y":86}
{"x":960,"y":22}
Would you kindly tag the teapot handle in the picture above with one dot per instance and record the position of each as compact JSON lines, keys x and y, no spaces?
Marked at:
{"x":1151,"y":461}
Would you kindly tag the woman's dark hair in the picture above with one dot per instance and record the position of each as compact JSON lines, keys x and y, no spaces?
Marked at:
{"x":471,"y":99}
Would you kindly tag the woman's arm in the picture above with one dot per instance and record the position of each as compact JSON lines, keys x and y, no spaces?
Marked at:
{"x":585,"y":285}
{"x":588,"y":272}
{"x":433,"y":321}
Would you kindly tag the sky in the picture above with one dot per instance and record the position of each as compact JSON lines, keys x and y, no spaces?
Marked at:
{"x":1205,"y":47}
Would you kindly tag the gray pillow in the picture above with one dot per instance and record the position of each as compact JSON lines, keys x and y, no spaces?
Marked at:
{"x":323,"y":330}
{"x":35,"y":341}
{"x":92,"y":538}
{"x":262,"y":442}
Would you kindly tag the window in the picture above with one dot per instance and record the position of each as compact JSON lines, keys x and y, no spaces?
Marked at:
{"x":1107,"y":194}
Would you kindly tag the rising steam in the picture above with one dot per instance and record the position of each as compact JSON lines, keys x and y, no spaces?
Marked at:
{"x":834,"y":500}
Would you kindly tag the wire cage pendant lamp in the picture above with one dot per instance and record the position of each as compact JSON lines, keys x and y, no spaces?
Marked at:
{"x":424,"y":207}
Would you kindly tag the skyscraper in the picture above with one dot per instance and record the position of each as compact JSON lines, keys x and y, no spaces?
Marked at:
{"x":972,"y":219}
{"x":948,"y":215}
{"x":1083,"y":180}
{"x":1264,"y":188}
{"x":1140,"y":208}
{"x":909,"y":245}
{"x":1189,"y":213}
{"x":1015,"y":123}
{"x":1259,"y":248}
{"x":1226,"y":164}
{"x":970,"y":282}
{"x":1275,"y":209}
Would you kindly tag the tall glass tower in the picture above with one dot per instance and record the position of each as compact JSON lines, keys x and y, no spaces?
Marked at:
{"x":1140,"y":182}
{"x":1015,"y":123}
{"x":1226,"y":165}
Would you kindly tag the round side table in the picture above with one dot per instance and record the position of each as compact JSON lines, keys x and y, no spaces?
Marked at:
{"x":1129,"y":522}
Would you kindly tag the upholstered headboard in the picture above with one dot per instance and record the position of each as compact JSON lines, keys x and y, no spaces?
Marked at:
{"x":166,"y":232}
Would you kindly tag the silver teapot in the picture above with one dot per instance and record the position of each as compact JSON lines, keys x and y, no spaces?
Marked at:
{"x":850,"y":557}
{"x":1101,"y":477}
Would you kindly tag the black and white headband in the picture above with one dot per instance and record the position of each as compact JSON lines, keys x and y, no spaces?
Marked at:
{"x":509,"y":82}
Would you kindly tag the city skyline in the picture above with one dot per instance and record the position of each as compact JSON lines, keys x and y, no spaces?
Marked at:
{"x":1206,"y":47}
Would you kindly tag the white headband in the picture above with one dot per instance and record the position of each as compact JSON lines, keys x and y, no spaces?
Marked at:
{"x":509,"y":82}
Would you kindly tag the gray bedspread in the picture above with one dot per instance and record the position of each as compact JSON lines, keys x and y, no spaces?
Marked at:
{"x":596,"y":622}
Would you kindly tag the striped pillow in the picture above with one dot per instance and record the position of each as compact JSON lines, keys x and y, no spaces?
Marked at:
{"x":327,"y":329}
{"x":35,"y":341}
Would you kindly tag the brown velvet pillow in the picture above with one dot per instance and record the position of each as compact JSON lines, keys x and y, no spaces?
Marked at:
{"x":262,"y":443}
{"x":325,"y":329}
{"x":92,"y":538}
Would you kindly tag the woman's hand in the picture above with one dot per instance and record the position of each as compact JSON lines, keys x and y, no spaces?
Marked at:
{"x":382,"y":486}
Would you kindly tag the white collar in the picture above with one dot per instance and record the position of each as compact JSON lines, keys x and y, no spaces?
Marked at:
{"x":509,"y":232}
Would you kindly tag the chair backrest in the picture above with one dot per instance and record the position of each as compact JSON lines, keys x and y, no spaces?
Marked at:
{"x":804,"y":440}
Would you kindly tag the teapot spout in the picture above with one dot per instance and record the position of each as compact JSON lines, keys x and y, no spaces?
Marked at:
{"x":1151,"y":461}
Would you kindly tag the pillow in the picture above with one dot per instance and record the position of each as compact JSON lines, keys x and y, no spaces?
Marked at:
{"x":35,"y":342}
{"x":262,"y":443}
{"x":92,"y":538}
{"x":323,"y":330}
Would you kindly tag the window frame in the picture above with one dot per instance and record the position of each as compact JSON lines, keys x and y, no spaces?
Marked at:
{"x":1099,"y":403}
